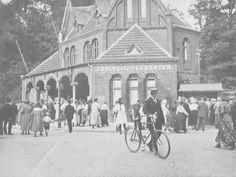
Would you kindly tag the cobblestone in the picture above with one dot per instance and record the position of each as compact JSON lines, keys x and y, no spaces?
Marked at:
{"x":103,"y":153}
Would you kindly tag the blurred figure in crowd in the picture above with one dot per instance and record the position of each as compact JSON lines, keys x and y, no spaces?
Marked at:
{"x":203,"y":113}
{"x":104,"y":114}
{"x":121,"y":116}
{"x":181,"y":116}
{"x":1,"y":120}
{"x":37,"y":116}
{"x":69,"y":113}
{"x":193,"y":113}
{"x":9,"y":111}
{"x":226,"y":134}
{"x":25,"y":113}
{"x":95,"y":117}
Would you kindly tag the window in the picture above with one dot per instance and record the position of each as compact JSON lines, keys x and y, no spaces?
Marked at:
{"x":151,"y":84}
{"x":144,"y":8}
{"x":133,"y":87}
{"x":129,"y":9}
{"x":185,"y":49}
{"x":72,"y":55}
{"x":95,"y":52}
{"x":66,"y":57}
{"x":86,"y":51}
{"x":116,"y":89}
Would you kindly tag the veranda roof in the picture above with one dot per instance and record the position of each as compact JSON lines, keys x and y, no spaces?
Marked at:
{"x":212,"y":87}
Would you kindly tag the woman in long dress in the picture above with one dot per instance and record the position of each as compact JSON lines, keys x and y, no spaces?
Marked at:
{"x":181,"y":116}
{"x":37,"y":124}
{"x":95,"y":117}
{"x":25,"y":113}
{"x":226,"y":134}
{"x":193,"y":113}
{"x":121,"y":116}
{"x":84,"y":112}
{"x":104,"y":114}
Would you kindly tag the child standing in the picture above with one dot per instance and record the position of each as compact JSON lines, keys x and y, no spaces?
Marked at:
{"x":47,"y":120}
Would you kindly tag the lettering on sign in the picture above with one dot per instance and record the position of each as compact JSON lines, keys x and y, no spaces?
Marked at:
{"x":134,"y":68}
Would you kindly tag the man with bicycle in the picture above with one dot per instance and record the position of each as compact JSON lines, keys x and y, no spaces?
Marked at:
{"x":152,"y":107}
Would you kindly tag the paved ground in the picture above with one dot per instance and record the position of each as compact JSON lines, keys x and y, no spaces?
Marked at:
{"x":103,"y":153}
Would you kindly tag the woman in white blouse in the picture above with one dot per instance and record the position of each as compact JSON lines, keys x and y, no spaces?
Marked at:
{"x":181,"y":116}
{"x":121,"y":115}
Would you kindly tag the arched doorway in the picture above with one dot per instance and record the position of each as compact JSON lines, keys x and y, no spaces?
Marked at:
{"x":66,"y":88}
{"x":82,"y":88}
{"x":52,"y":88}
{"x":28,"y":95}
{"x":40,"y":95}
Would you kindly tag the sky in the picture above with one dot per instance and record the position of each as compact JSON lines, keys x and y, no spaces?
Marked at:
{"x":181,"y":5}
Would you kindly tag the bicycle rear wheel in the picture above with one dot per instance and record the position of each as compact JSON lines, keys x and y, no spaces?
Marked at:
{"x":163,"y":144}
{"x":132,"y":139}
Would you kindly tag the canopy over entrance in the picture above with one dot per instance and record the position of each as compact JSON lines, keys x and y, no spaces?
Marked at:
{"x":201,"y":90}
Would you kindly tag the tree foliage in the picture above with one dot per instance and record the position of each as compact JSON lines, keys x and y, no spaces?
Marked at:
{"x":30,"y":23}
{"x":217,"y":21}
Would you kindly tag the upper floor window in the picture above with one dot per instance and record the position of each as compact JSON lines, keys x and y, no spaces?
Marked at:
{"x":95,"y":51}
{"x":86,"y":51}
{"x":185,"y":49}
{"x":129,"y":8}
{"x":144,"y":8}
{"x":72,"y":55}
{"x":66,"y":57}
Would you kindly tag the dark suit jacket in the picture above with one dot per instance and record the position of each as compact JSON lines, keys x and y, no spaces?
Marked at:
{"x":187,"y":108}
{"x":151,"y":107}
{"x":6,"y":112}
{"x":69,"y":112}
{"x":203,"y":110}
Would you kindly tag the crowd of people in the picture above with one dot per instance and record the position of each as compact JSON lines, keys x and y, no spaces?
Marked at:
{"x":193,"y":114}
{"x":36,"y":118}
{"x":180,"y":116}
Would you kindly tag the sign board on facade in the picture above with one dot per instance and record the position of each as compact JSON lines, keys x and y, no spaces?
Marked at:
{"x":133,"y":68}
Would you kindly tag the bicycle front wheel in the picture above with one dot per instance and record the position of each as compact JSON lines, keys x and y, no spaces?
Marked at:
{"x":132,"y":139}
{"x":162,"y":143}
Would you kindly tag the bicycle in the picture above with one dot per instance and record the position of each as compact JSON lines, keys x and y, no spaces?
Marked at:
{"x":134,"y":138}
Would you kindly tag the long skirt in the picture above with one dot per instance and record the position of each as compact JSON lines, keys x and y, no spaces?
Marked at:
{"x":104,"y":117}
{"x":84,"y":116}
{"x":180,"y":123}
{"x":193,"y":118}
{"x":37,"y":124}
{"x":226,"y":134}
{"x":212,"y":117}
{"x":94,"y":119}
{"x":25,"y":122}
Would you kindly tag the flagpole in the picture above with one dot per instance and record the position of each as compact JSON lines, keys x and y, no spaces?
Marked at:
{"x":22,"y":57}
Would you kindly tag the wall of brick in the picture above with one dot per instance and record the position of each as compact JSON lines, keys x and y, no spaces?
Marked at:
{"x":192,"y":71}
{"x":166,"y":81}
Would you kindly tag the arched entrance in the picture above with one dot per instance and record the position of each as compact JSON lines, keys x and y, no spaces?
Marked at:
{"x":66,"y":88}
{"x":40,"y":95}
{"x":82,"y":88}
{"x":52,"y":88}
{"x":28,"y":95}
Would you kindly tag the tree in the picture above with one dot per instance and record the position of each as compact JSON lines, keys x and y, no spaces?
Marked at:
{"x":217,"y":21}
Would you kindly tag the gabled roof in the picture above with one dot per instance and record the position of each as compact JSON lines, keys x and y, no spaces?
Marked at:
{"x":214,"y":87}
{"x":138,"y":37}
{"x":49,"y":64}
{"x":91,"y":25}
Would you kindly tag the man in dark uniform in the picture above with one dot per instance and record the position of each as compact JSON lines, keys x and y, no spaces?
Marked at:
{"x":1,"y":120}
{"x":69,"y":112}
{"x":152,"y":106}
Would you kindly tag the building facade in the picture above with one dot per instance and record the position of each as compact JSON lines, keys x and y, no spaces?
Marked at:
{"x":117,"y":49}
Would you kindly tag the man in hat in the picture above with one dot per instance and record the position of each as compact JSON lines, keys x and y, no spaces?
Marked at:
{"x":152,"y":107}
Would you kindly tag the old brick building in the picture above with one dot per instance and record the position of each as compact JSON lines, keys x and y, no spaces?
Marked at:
{"x":117,"y":48}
